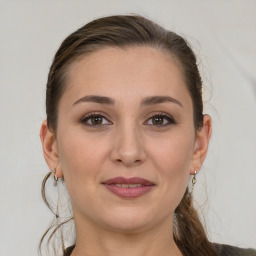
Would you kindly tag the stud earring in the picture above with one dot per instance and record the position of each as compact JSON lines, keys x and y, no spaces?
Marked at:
{"x":194,"y":181}
{"x":54,"y":174}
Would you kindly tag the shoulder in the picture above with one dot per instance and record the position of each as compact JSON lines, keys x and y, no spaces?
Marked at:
{"x":221,"y":250}
{"x":228,"y":250}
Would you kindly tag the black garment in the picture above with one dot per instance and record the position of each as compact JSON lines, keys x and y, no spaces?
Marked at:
{"x":69,"y":250}
{"x":221,"y":249}
{"x":228,"y":250}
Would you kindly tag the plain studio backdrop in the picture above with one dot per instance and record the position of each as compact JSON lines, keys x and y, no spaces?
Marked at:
{"x":223,"y":35}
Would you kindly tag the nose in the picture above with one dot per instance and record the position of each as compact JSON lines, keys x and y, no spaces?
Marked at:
{"x":128,"y":147}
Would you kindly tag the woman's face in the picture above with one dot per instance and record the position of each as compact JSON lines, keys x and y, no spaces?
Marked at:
{"x":126,"y":113}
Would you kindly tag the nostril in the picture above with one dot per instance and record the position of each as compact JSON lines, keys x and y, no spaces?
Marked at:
{"x":128,"y":161}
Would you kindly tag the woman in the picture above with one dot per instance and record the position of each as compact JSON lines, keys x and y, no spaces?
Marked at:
{"x":125,"y":128}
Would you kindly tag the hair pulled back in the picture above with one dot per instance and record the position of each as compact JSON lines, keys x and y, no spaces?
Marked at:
{"x":121,"y":31}
{"x":127,"y":31}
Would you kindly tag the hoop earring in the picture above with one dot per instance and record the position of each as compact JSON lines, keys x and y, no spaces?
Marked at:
{"x":54,"y":174}
{"x":193,"y":182}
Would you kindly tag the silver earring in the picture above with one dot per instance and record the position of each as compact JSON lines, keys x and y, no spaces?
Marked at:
{"x":194,"y":181}
{"x":54,"y":174}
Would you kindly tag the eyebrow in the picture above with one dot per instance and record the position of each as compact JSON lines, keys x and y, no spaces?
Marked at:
{"x":96,"y":99}
{"x":152,"y":100}
{"x":159,"y":99}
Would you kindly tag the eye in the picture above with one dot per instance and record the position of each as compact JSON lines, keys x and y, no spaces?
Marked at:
{"x":94,"y":119}
{"x":160,"y":120}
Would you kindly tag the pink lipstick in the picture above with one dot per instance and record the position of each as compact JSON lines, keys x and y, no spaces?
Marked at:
{"x":128,"y":187}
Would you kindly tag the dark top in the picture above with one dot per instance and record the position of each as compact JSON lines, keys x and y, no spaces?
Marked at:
{"x":228,"y":250}
{"x":221,"y":249}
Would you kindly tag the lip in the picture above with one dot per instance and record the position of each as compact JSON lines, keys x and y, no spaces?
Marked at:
{"x":128,"y":192}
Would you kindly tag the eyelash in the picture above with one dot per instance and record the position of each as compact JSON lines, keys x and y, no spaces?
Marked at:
{"x":90,"y":116}
{"x":165,"y":116}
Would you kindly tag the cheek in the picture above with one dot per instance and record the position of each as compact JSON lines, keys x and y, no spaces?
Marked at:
{"x":173,"y":159}
{"x":80,"y":158}
{"x":174,"y":153}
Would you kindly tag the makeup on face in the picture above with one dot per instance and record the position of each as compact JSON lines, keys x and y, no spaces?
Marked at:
{"x":125,"y":138}
{"x":128,"y":188}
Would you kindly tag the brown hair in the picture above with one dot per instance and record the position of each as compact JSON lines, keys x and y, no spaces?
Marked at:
{"x":127,"y":31}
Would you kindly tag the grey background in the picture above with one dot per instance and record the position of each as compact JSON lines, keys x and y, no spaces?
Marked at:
{"x":223,"y":35}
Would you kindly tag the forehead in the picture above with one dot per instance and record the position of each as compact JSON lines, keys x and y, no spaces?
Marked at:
{"x":127,"y":72}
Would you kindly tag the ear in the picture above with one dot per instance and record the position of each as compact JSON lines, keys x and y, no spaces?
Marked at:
{"x":50,"y":149}
{"x":201,"y":145}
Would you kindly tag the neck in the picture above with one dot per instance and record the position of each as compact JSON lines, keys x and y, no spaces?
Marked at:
{"x":93,"y":240}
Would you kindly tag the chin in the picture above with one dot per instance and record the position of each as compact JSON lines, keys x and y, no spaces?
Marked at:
{"x":127,"y":227}
{"x":129,"y":221}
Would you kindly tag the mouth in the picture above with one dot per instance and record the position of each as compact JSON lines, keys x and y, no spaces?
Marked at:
{"x":128,"y":188}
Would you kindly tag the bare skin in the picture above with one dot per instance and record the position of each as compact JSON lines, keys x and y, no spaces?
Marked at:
{"x":130,"y":135}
